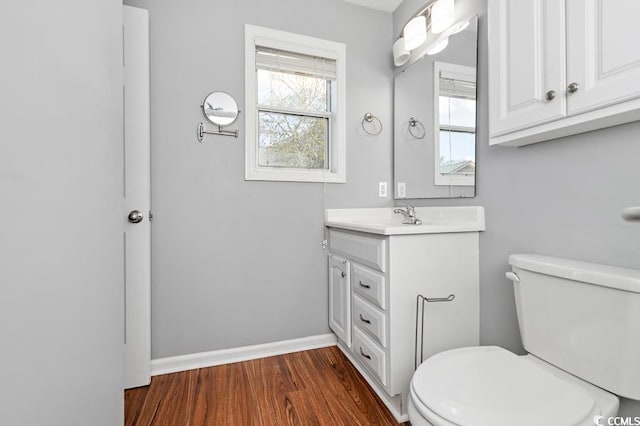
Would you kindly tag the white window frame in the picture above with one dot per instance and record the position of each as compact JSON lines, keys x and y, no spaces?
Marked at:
{"x":281,"y":40}
{"x":439,"y":178}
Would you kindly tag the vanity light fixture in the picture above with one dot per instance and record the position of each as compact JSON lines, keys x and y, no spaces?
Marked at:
{"x":442,"y":15}
{"x":400,"y":55}
{"x":415,"y":32}
{"x":459,"y":27}
{"x":438,"y":46}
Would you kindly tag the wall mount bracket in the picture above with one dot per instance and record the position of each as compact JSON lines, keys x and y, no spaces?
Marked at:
{"x":202,"y":131}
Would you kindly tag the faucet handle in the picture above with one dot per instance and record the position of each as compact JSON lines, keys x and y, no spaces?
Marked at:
{"x":410,"y":209}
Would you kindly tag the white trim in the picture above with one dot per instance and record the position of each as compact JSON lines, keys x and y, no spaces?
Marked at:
{"x":261,"y":36}
{"x":439,"y":179}
{"x":175,"y":364}
{"x":613,"y":115}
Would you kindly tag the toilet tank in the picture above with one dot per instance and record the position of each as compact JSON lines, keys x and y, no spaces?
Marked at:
{"x":581,"y":317}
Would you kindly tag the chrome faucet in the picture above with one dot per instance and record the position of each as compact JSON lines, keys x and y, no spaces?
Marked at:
{"x":409,"y":215}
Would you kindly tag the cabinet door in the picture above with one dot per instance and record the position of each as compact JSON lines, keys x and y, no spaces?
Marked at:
{"x":526,"y":61}
{"x":602,"y":51}
{"x":340,"y":298}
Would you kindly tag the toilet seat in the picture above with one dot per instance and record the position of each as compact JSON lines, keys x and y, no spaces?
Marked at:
{"x":491,"y":386}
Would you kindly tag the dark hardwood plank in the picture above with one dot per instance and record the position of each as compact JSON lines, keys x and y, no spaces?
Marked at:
{"x":133,"y":401}
{"x":271,"y":382}
{"x":224,"y":397}
{"x":317,"y":387}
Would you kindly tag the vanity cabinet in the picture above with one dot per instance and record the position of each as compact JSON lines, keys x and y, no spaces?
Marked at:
{"x":561,"y":67}
{"x":385,"y":274}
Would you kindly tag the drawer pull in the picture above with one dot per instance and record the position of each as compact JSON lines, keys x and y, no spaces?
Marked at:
{"x":364,"y":355}
{"x":364,"y":285}
{"x":363,"y":319}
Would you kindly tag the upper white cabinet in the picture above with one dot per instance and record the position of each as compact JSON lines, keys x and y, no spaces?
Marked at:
{"x":528,"y":62}
{"x":558,"y":67}
{"x":603,"y":56}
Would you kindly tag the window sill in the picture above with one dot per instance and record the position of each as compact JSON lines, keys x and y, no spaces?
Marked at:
{"x":293,"y":175}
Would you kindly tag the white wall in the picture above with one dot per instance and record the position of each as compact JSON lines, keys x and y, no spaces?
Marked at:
{"x":61,"y":285}
{"x":239,"y":263}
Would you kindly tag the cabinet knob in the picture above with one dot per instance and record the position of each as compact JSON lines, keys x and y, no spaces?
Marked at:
{"x":343,"y":274}
{"x":573,"y":87}
{"x":550,"y":95}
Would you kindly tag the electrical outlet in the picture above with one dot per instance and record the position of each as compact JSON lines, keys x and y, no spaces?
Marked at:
{"x":402,"y":190}
{"x":382,"y":189}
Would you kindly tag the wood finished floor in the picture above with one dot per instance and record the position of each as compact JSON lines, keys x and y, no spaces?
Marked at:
{"x":317,"y":387}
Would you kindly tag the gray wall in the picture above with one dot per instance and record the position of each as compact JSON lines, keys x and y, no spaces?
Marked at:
{"x":560,"y":197}
{"x":238,"y":263}
{"x":61,"y":279}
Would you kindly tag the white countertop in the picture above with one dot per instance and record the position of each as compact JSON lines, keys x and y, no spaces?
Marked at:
{"x":383,"y":221}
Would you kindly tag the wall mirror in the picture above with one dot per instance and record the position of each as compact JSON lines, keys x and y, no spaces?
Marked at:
{"x":220,"y":108}
{"x":435,"y":120}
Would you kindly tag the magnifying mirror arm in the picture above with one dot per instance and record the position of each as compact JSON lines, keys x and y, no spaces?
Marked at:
{"x":220,"y":132}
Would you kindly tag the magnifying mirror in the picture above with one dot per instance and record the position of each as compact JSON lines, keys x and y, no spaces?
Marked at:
{"x":220,"y":108}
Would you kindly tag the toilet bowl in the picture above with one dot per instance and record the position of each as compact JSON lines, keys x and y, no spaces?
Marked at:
{"x":578,"y":321}
{"x":491,"y":386}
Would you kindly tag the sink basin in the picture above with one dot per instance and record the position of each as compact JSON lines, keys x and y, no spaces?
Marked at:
{"x":384,"y":222}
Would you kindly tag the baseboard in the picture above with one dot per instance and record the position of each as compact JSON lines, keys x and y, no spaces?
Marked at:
{"x":175,"y":364}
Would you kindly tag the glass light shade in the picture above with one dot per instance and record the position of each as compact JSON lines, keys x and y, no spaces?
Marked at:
{"x":442,"y":15}
{"x":458,"y":28}
{"x":438,"y":46}
{"x":415,"y":32}
{"x":400,"y":55}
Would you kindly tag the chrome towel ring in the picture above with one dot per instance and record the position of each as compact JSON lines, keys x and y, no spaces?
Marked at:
{"x":370,"y":120}
{"x":416,"y":126}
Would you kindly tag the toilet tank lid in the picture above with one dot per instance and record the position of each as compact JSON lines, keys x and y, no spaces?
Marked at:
{"x":576,"y":270}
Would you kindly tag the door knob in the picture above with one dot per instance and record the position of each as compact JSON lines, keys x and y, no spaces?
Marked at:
{"x":135,"y":216}
{"x":573,"y":87}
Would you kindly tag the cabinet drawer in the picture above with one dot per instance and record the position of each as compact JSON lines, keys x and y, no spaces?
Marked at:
{"x":369,"y":284}
{"x":368,"y":250}
{"x":368,"y":318}
{"x":370,"y":354}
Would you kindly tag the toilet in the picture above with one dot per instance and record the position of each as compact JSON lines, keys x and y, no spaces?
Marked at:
{"x":580,"y":324}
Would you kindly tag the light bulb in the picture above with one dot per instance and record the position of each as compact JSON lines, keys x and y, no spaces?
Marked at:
{"x":442,"y":15}
{"x":438,"y":46}
{"x":458,"y":28}
{"x":415,"y":32}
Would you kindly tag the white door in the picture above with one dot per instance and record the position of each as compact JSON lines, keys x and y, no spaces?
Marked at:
{"x":137,"y":186}
{"x":340,"y":298}
{"x":603,"y":57}
{"x":526,"y":63}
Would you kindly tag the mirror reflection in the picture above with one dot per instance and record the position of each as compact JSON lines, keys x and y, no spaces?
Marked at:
{"x":435,"y":121}
{"x":220,"y":108}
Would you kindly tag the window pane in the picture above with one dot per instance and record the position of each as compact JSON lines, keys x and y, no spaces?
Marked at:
{"x":457,"y":111}
{"x":457,"y":153}
{"x":292,"y":141}
{"x":292,"y":91}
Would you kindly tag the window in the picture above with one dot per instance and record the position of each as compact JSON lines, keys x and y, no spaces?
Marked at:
{"x":295,"y":107}
{"x":455,"y":127}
